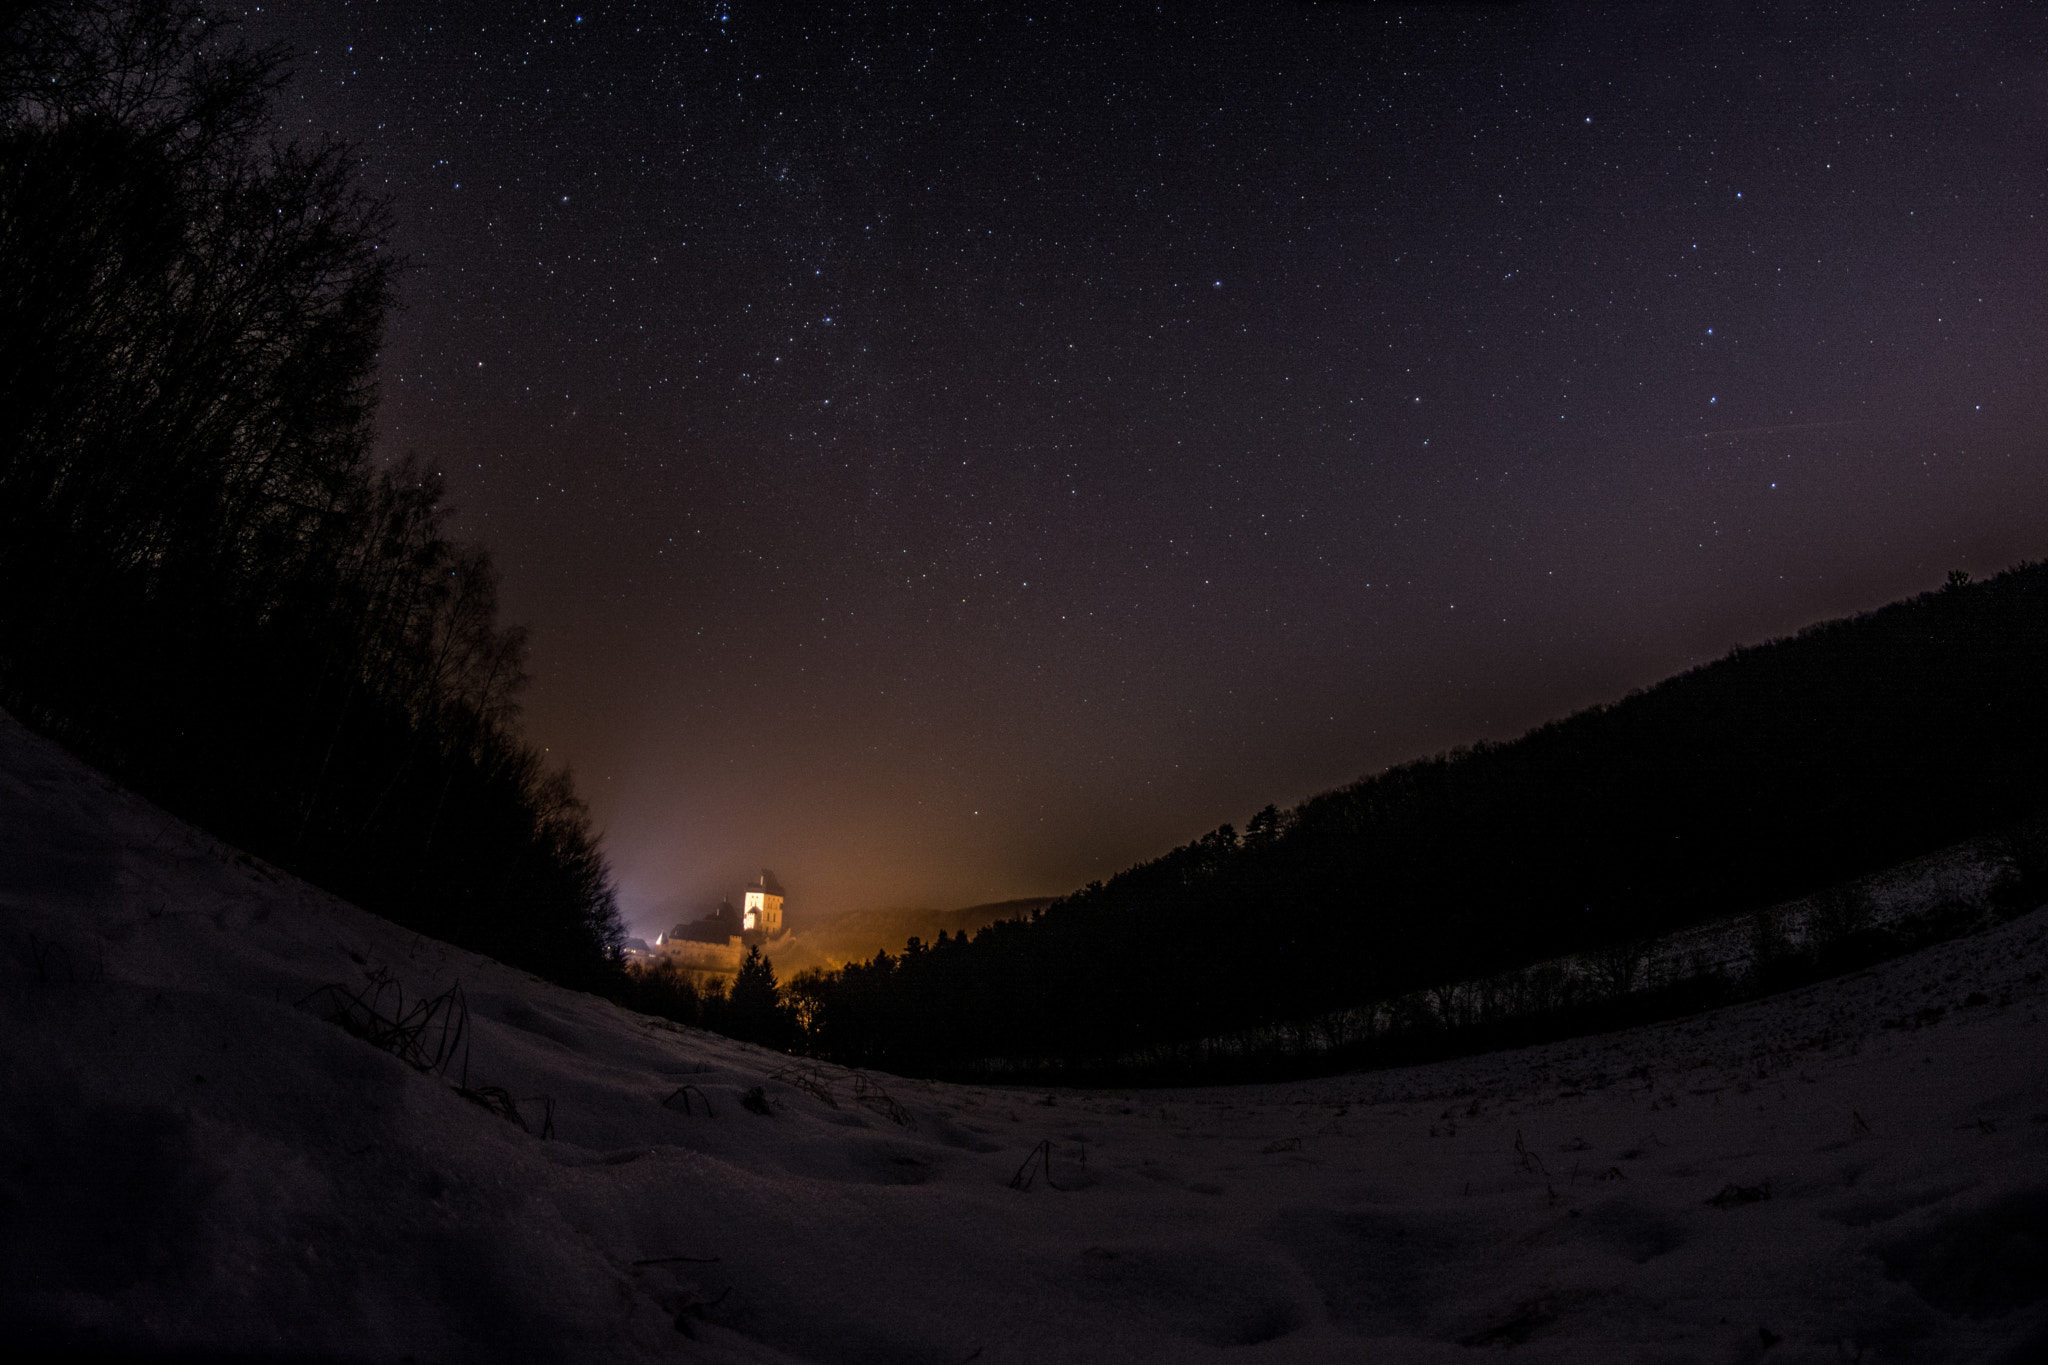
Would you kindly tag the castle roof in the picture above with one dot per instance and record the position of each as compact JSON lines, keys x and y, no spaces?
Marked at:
{"x":712,"y":928}
{"x":766,"y":882}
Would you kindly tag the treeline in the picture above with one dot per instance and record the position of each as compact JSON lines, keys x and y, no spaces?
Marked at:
{"x":1616,"y":988}
{"x":751,"y":1007}
{"x":207,"y":585}
{"x":1773,"y":772}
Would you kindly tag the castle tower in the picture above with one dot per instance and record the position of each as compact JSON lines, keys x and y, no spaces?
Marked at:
{"x":764,"y":906}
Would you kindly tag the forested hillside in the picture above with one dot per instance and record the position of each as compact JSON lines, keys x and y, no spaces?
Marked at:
{"x":208,"y":586}
{"x":1772,"y":772}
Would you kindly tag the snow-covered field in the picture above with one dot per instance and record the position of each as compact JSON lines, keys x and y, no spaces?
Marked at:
{"x":193,"y":1163}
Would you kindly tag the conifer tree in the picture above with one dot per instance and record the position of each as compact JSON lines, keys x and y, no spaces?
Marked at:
{"x":755,"y":1011}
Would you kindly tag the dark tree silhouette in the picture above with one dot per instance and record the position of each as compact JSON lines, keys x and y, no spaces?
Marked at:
{"x":754,"y":1010}
{"x":206,"y":585}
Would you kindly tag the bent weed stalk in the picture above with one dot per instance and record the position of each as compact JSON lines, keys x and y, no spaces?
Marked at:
{"x":809,"y":1079}
{"x":1042,"y":1153}
{"x":870,"y":1094}
{"x":427,"y":1037}
{"x":684,"y":1091}
{"x":500,"y":1101}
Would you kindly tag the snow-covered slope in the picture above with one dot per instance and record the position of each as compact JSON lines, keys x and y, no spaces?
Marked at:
{"x":194,"y":1162}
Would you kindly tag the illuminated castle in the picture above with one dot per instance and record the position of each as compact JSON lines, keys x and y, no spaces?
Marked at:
{"x":764,"y":907}
{"x":717,"y":941}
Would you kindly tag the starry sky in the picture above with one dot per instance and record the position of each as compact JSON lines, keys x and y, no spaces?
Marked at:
{"x":951,"y":452}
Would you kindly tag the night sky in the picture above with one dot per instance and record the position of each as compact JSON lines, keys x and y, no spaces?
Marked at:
{"x":946,"y":454}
